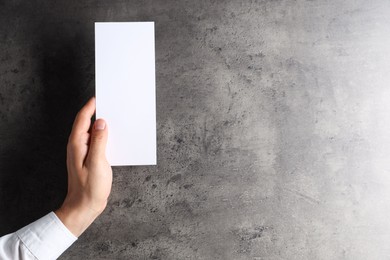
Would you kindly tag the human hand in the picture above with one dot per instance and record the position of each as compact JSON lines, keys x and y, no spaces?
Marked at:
{"x":89,"y":173}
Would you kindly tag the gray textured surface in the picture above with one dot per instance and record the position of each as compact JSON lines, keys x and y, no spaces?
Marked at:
{"x":273,"y":128}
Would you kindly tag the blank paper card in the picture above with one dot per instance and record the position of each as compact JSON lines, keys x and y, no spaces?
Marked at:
{"x":125,"y":90}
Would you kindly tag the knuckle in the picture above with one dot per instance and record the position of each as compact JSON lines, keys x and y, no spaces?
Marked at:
{"x":71,"y":145}
{"x":78,"y":114}
{"x":81,"y":115}
{"x":97,"y":137}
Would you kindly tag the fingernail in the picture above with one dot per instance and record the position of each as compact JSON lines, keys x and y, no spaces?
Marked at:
{"x":100,"y":125}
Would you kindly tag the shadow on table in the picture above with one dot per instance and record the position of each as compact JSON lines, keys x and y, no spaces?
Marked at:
{"x":33,"y":178}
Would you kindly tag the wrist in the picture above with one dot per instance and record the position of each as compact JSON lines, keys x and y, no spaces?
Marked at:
{"x":76,"y":219}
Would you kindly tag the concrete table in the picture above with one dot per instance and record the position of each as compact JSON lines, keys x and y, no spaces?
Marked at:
{"x":273,"y":128}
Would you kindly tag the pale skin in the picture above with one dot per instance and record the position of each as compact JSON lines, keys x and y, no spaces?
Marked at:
{"x":89,"y":173}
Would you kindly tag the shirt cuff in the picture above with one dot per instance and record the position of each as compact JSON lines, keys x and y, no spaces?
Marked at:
{"x":46,"y":238}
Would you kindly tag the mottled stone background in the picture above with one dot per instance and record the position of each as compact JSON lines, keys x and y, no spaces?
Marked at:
{"x":273,"y":127}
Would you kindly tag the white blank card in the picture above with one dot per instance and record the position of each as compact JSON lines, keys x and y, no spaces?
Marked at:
{"x":125,"y":90}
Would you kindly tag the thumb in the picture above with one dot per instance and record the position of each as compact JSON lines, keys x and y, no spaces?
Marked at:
{"x":98,"y":142}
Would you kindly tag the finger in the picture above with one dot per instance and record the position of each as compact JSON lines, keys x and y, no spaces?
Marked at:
{"x":83,"y":119}
{"x":77,"y":150}
{"x":98,"y":142}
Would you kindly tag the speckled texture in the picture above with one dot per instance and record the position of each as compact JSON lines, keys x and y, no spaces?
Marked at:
{"x":273,"y":127}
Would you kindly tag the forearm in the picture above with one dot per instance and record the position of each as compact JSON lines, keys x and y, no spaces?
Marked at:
{"x":77,"y":220}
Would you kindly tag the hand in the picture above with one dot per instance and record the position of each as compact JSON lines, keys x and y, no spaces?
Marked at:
{"x":89,"y":173}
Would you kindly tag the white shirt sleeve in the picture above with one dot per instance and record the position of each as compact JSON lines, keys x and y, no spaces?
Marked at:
{"x":47,"y":238}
